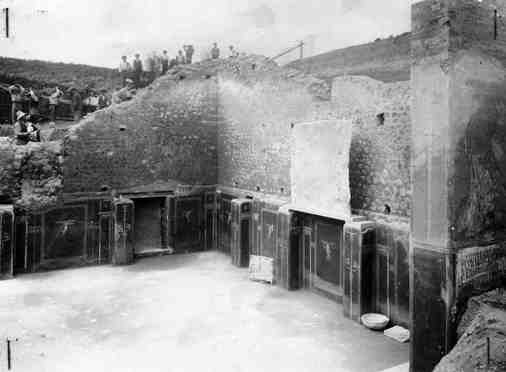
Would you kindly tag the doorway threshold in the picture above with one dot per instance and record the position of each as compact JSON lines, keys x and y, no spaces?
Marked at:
{"x":327,"y":289}
{"x":154,"y":252}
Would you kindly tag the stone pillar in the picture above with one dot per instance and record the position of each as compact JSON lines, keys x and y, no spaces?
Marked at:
{"x":357,"y":268}
{"x":458,"y":49}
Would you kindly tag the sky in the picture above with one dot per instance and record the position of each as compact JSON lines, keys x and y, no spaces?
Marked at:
{"x":97,"y":32}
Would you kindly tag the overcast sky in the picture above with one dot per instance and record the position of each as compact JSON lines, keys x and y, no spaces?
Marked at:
{"x":98,"y":31}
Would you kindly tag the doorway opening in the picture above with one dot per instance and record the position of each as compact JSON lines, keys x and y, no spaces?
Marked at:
{"x":148,"y":222}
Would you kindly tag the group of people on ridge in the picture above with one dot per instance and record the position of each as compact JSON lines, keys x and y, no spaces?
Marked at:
{"x":139,"y":73}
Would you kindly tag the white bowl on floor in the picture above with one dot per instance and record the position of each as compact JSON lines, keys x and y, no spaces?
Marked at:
{"x":376,"y":322}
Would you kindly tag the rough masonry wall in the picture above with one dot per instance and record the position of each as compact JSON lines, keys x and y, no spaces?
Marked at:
{"x":254,"y":137}
{"x":31,"y":175}
{"x":380,"y":151}
{"x":256,"y":113}
{"x":168,"y":132}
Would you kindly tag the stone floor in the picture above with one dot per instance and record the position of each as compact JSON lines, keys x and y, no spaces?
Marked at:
{"x":180,"y":313}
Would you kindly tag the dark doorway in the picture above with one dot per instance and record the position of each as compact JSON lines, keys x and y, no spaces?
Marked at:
{"x":225,"y":224}
{"x":148,"y":224}
{"x":65,"y":234}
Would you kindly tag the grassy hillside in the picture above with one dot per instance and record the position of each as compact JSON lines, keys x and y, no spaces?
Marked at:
{"x":39,"y":73}
{"x":387,"y":60}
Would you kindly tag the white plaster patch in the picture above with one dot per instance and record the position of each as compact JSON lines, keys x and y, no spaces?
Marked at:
{"x":320,"y":157}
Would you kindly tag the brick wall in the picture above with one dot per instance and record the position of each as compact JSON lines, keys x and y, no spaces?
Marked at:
{"x":168,"y":132}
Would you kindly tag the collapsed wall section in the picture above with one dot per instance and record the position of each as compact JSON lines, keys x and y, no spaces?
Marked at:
{"x":31,"y":175}
{"x":167,"y":132}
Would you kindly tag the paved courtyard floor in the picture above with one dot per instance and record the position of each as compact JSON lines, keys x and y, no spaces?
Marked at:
{"x":180,"y":313}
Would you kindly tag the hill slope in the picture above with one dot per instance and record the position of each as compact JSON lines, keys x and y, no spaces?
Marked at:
{"x":39,"y":73}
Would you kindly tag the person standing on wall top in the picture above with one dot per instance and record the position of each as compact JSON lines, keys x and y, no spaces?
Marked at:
{"x":157,"y":66}
{"x":180,"y":60}
{"x":77,"y":104}
{"x":124,"y":69}
{"x":54,"y":100}
{"x":189,"y":50}
{"x":17,"y":92}
{"x":93,"y":101}
{"x":215,"y":51}
{"x":137,"y":69}
{"x":149,"y":68}
{"x":103,"y":102}
{"x":232,"y":52}
{"x":165,"y":62}
{"x":33,"y":99}
{"x":21,"y":129}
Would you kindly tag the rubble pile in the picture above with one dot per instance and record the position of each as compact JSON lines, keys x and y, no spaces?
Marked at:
{"x":482,"y":336}
{"x":30,"y":176}
{"x":250,"y":69}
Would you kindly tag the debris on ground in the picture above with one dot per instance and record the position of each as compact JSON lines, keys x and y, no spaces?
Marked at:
{"x":398,"y":334}
{"x":482,"y":331}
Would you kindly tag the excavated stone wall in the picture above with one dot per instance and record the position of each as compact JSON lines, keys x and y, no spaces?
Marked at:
{"x":167,"y":132}
{"x":30,"y":176}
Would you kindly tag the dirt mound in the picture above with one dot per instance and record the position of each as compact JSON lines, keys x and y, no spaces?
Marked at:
{"x":30,"y":175}
{"x":484,"y":322}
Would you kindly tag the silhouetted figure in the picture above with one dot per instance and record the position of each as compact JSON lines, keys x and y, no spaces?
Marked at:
{"x":137,"y":70}
{"x":77,"y":104}
{"x":103,"y":101}
{"x":180,"y":60}
{"x":215,"y":51}
{"x":17,"y":93}
{"x":124,"y":69}
{"x":150,"y":67}
{"x":54,"y":100}
{"x":165,"y":62}
{"x":33,"y":100}
{"x":189,"y":50}
{"x":232,"y":53}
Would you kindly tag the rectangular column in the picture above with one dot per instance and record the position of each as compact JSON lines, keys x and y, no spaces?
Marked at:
{"x":358,"y":268}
